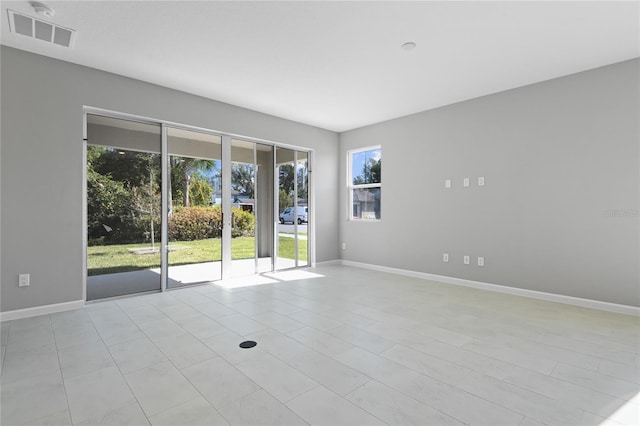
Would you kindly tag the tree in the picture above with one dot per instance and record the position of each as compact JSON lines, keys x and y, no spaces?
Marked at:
{"x":284,"y":200}
{"x":122,"y":193}
{"x":303,"y":180}
{"x":287,"y":175}
{"x":242,"y":179}
{"x":182,"y":170}
{"x":200,"y":191}
{"x":371,"y":172}
{"x":146,"y":200}
{"x":105,"y":196}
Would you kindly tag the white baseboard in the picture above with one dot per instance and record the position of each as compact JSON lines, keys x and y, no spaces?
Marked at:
{"x":40,"y":310}
{"x":327,"y":263}
{"x":551,"y":297}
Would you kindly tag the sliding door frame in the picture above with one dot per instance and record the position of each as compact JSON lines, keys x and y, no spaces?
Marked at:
{"x":225,"y":192}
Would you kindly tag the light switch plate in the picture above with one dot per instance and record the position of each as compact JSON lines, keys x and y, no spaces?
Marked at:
{"x":481,"y":181}
{"x":465,"y":182}
{"x":480,"y":261}
{"x":447,"y":183}
{"x":445,"y":257}
{"x":466,"y":260}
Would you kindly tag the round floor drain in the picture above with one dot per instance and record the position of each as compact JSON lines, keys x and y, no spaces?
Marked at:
{"x":248,"y":344}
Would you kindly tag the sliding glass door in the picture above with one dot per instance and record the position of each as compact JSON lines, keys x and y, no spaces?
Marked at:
{"x":169,"y":206}
{"x":251,"y":207}
{"x":123,"y":207}
{"x":292,"y":168}
{"x":194,"y":207}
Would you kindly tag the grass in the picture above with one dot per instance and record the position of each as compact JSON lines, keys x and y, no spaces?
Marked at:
{"x":119,"y":258}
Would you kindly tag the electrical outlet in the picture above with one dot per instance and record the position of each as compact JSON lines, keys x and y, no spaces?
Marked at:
{"x":24,"y":280}
{"x":465,"y":182}
{"x":481,"y":181}
{"x":445,"y":257}
{"x":447,"y":183}
{"x":344,"y":246}
{"x":466,"y":260}
{"x":480,"y":261}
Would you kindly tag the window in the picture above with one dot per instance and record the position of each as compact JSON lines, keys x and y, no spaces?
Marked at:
{"x":365,"y":183}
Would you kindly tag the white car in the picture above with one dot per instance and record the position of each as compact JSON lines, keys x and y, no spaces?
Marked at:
{"x":287,"y":215}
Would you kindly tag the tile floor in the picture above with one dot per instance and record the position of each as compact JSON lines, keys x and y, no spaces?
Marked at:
{"x":336,"y":346}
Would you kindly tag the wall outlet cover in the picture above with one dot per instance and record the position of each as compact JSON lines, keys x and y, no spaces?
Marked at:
{"x":24,"y":280}
{"x":465,"y":182}
{"x":466,"y":260}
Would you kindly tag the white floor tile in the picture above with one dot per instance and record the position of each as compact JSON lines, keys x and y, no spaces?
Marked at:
{"x":597,"y":381}
{"x":259,"y":408}
{"x":330,"y":373}
{"x":396,"y":408}
{"x":315,"y":320}
{"x":42,"y":360}
{"x":276,"y":377}
{"x":377,"y":367}
{"x":202,"y":326}
{"x":320,"y":406}
{"x":278,"y":322}
{"x":160,"y":387}
{"x":61,"y":418}
{"x":82,"y":359}
{"x":161,"y":329}
{"x":128,"y":415}
{"x":145,"y":313}
{"x":29,"y":338}
{"x":197,"y":412}
{"x":34,"y":398}
{"x":361,"y":338}
{"x":136,"y":354}
{"x":457,"y":403}
{"x":321,"y":342}
{"x":184,"y":350}
{"x":94,"y":395}
{"x":429,"y":365}
{"x":241,"y":324}
{"x":219,"y":382}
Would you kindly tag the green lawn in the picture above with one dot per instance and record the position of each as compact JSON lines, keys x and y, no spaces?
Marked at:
{"x":119,"y":258}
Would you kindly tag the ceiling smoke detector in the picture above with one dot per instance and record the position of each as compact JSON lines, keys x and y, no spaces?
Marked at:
{"x":43,"y":9}
{"x":410,"y":45}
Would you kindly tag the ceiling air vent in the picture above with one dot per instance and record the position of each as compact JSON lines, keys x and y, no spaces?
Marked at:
{"x":42,"y":30}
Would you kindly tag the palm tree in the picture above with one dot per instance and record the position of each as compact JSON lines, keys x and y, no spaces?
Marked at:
{"x":184,"y":167}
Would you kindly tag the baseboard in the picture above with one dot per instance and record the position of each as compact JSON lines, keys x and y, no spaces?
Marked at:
{"x":327,"y":263}
{"x":40,"y":310}
{"x":533,"y":294}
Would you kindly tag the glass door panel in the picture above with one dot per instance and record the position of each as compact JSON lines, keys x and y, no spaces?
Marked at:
{"x":302,"y":188}
{"x":123,"y":207}
{"x":265,"y":225}
{"x":286,"y":247}
{"x":243,"y":207}
{"x":195,"y":210}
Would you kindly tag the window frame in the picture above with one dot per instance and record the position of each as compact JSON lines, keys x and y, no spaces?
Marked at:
{"x":351,"y":186}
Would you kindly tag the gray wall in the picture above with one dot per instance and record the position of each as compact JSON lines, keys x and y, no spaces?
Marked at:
{"x":41,"y":164}
{"x":559,"y":212}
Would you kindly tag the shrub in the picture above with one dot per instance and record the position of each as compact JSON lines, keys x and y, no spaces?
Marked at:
{"x":123,"y":230}
{"x":243,"y":223}
{"x":195,"y":223}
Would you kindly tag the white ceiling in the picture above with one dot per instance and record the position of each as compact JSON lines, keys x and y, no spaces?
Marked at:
{"x":339,"y":65}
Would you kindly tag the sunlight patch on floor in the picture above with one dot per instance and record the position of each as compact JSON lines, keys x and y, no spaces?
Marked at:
{"x":297,"y":274}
